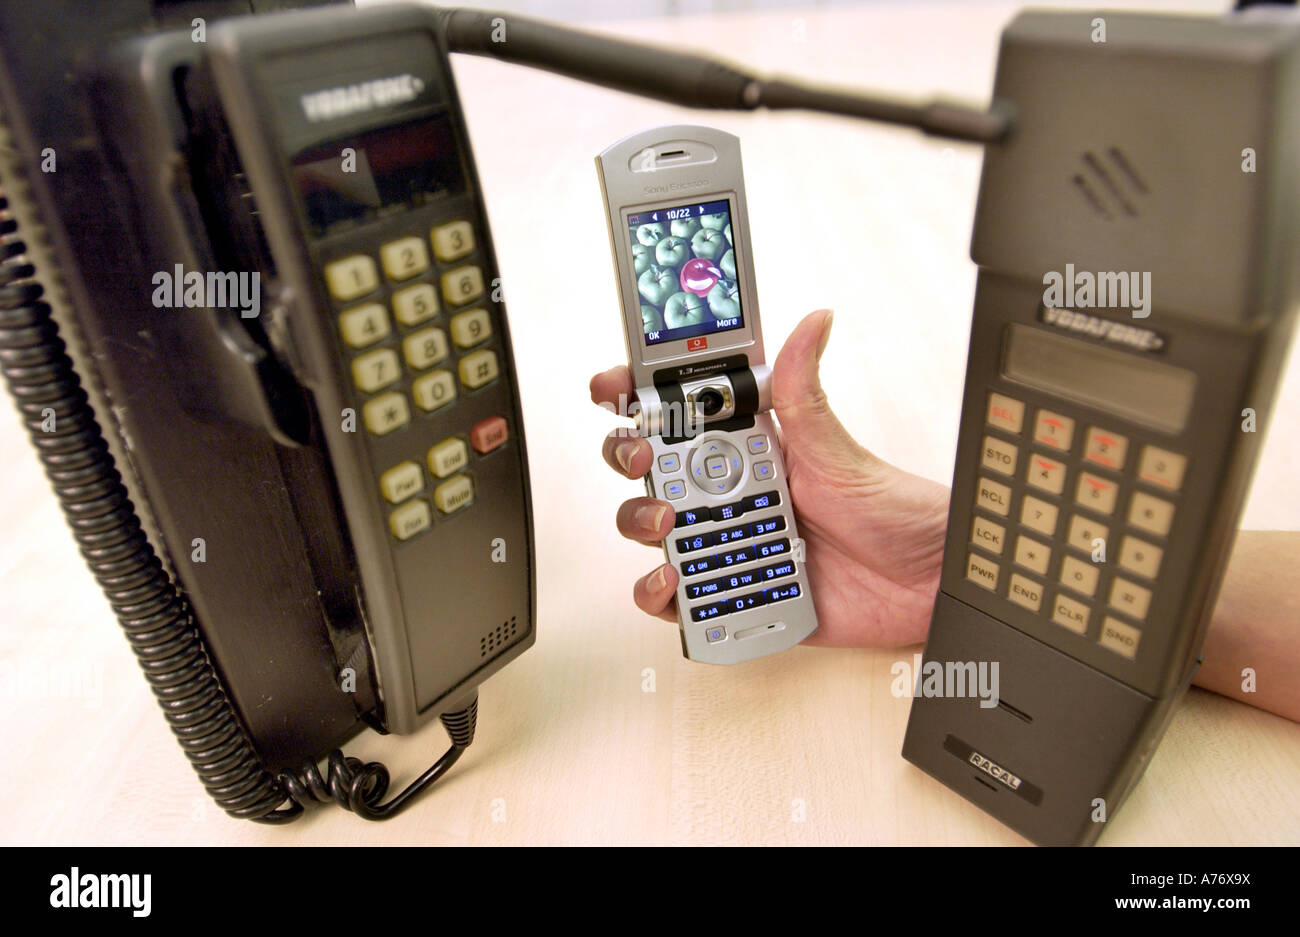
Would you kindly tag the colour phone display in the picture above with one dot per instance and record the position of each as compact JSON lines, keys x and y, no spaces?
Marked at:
{"x":685,"y":269}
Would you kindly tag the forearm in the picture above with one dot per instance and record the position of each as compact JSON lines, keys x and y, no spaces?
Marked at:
{"x":1252,"y":650}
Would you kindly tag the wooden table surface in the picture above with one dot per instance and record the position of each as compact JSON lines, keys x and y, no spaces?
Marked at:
{"x":602,"y":733}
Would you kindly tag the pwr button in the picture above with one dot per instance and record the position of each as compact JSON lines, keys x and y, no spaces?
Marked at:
{"x":489,"y":434}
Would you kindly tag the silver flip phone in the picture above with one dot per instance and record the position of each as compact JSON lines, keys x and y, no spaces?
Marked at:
{"x":679,"y":229}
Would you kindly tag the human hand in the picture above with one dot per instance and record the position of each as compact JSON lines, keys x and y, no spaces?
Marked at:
{"x":873,"y":534}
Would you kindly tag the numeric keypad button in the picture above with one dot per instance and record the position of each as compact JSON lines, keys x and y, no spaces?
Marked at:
{"x":453,"y":240}
{"x":404,"y":258}
{"x":470,"y":328}
{"x":376,"y":369}
{"x":364,"y":325}
{"x":424,"y":348}
{"x":351,"y":277}
{"x":415,"y":304}
{"x":462,"y":285}
{"x":434,"y":390}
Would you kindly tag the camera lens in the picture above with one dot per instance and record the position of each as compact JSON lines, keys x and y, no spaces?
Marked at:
{"x":709,"y":401}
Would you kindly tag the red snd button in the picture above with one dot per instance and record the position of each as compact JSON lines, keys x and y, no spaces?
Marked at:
{"x":489,"y":434}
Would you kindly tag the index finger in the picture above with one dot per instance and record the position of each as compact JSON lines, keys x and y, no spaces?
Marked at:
{"x":608,"y":386}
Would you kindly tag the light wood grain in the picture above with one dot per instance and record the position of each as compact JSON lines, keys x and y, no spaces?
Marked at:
{"x":802,"y":748}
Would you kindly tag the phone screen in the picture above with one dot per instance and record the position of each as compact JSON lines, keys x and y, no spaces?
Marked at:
{"x":685,"y":269}
{"x":360,"y":177}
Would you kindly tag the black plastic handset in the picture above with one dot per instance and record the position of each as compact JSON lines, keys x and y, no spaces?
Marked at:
{"x":386,"y":303}
{"x":1120,"y":375}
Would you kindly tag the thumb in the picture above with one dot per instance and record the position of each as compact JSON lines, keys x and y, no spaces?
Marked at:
{"x":813,"y":434}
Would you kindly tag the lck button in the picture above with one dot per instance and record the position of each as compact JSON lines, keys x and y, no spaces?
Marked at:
{"x":987,"y":534}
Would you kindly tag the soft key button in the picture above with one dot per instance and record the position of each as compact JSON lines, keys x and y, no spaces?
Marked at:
{"x":993,"y":496}
{"x":448,"y":457}
{"x":987,"y":534}
{"x":409,"y":520}
{"x":454,"y":494}
{"x":401,"y":481}
{"x":1006,"y":413}
{"x":489,"y":434}
{"x":999,"y":456}
{"x":981,"y":571}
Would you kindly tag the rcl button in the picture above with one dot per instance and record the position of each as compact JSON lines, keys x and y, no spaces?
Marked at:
{"x":489,"y":434}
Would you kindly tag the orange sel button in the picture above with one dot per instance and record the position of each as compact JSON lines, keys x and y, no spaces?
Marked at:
{"x":489,"y":434}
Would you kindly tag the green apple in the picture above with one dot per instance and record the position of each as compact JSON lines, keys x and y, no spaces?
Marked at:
{"x":727,"y":232}
{"x":708,"y":243}
{"x":728,"y":265}
{"x":651,"y":319}
{"x":650,"y":234}
{"x":684,"y":227}
{"x":714,"y":222}
{"x":656,"y":284}
{"x":672,"y":252}
{"x":642,"y":257}
{"x":724,"y":300}
{"x":684,"y":309}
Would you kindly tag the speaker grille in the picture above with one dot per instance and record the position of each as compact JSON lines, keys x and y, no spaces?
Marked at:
{"x":498,"y":637}
{"x":1110,"y":186}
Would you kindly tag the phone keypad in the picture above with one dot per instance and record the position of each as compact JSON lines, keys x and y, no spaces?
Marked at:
{"x":1067,"y":526}
{"x":405,"y":359}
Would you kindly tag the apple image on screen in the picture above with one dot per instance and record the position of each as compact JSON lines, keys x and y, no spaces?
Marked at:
{"x":651,"y":319}
{"x":650,"y":234}
{"x":708,"y":243}
{"x":642,"y":257}
{"x":728,"y":265}
{"x":656,"y":284}
{"x":714,"y":222}
{"x":672,"y":252}
{"x":684,"y":309}
{"x":724,"y":300}
{"x":684,"y":227}
{"x":727,"y":232}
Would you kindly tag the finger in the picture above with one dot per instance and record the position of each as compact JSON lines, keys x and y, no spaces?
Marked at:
{"x":655,"y":593}
{"x":627,"y":455}
{"x":811,"y":429}
{"x":613,"y":388}
{"x":645,"y":520}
